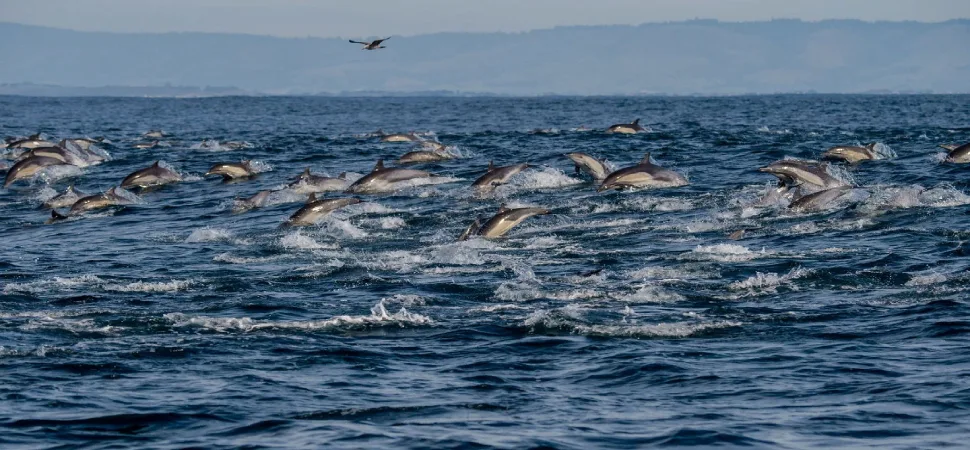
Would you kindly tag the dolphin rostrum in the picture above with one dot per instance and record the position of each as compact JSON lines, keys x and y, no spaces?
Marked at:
{"x":383,"y":179}
{"x":154,"y":175}
{"x":852,"y":154}
{"x":957,"y":154}
{"x":625,"y":128}
{"x":644,"y":174}
{"x":589,"y":164}
{"x":793,"y":172}
{"x":496,"y":176}
{"x":308,"y":183}
{"x":230,"y":171}
{"x":502,"y":222}
{"x":29,"y":167}
{"x":315,"y":209}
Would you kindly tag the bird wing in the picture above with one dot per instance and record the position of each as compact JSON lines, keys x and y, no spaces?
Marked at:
{"x":358,"y":42}
{"x":378,"y":42}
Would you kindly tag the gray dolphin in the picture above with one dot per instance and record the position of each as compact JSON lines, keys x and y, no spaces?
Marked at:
{"x":433,"y":145}
{"x":53,"y":152}
{"x":29,"y":167}
{"x":957,"y":154}
{"x":644,"y":174}
{"x":818,"y":200}
{"x":792,"y":172}
{"x":30,"y":142}
{"x":315,"y":209}
{"x":154,"y":134}
{"x":495,"y":176}
{"x":67,"y":198}
{"x":153,"y":175}
{"x":383,"y":179}
{"x":400,"y":137}
{"x":625,"y":128}
{"x":851,"y":154}
{"x":589,"y":164}
{"x":230,"y":171}
{"x":97,"y":201}
{"x":423,"y":156}
{"x":502,"y":222}
{"x":241,"y":205}
{"x":307,"y":183}
{"x":146,"y":145}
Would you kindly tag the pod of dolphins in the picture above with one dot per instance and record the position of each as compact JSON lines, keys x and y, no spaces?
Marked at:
{"x":806,"y":184}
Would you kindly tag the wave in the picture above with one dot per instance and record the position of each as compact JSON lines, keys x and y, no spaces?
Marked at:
{"x":543,"y":321}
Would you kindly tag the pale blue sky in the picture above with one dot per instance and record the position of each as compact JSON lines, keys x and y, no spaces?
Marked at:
{"x":361,"y":18}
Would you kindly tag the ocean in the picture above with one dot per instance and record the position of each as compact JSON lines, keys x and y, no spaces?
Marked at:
{"x":621,"y":319}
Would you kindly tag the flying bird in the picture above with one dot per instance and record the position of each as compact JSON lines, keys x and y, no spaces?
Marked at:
{"x":373,"y":45}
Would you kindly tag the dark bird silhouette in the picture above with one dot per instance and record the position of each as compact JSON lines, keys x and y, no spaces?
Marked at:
{"x":373,"y":45}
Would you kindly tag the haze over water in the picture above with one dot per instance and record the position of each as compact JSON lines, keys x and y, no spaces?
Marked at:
{"x":173,"y":322}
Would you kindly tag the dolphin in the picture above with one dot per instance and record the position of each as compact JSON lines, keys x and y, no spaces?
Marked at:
{"x":86,"y":142}
{"x":154,"y":134}
{"x":153,"y":175}
{"x":33,"y":141}
{"x":851,"y":154}
{"x":423,"y":156}
{"x":97,"y":201}
{"x":382,"y":179}
{"x":28,"y":167}
{"x":502,"y":222}
{"x":53,"y":152}
{"x":315,"y":209}
{"x":241,"y":205}
{"x":146,"y":145}
{"x":818,"y":200}
{"x":400,"y":137}
{"x":496,"y":176}
{"x":230,"y":171}
{"x":472,"y":229}
{"x":792,"y":172}
{"x":64,"y":199}
{"x":957,"y":154}
{"x":644,"y":174}
{"x":625,"y":128}
{"x":82,"y":150}
{"x":433,"y":145}
{"x":307,"y":183}
{"x":589,"y":164}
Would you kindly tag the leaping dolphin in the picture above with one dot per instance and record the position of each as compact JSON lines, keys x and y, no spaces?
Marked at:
{"x":424,"y":156}
{"x":231,"y":171}
{"x":400,"y":137}
{"x":90,"y":203}
{"x":496,"y":176}
{"x":241,"y":205}
{"x":793,"y":172}
{"x":957,"y":154}
{"x":851,"y":154}
{"x":307,"y":183}
{"x":818,"y":200}
{"x":644,"y":174}
{"x":383,"y":179}
{"x":626,"y":128}
{"x":154,"y":175}
{"x":502,"y":222}
{"x":315,"y":209}
{"x":30,"y":166}
{"x":67,"y":198}
{"x":586,"y":163}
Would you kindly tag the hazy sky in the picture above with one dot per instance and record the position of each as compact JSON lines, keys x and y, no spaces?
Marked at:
{"x":361,"y":18}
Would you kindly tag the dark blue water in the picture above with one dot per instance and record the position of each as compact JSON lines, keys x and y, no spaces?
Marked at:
{"x":174,"y":322}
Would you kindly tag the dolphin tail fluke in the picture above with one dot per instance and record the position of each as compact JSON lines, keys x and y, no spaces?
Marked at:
{"x":472,"y":229}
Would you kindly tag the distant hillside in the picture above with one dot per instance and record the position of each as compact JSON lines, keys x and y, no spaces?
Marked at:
{"x":695,"y":57}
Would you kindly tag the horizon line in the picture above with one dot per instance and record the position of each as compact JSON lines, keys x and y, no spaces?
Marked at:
{"x":669,"y":22}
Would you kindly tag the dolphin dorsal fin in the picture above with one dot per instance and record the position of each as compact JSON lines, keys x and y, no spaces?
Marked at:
{"x":871,"y":145}
{"x":342,"y":176}
{"x":312,"y":198}
{"x":646,"y":160}
{"x":69,"y":189}
{"x":156,"y":163}
{"x":306,"y":173}
{"x":503,"y":208}
{"x":636,"y":122}
{"x":379,"y":165}
{"x":491,"y":166}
